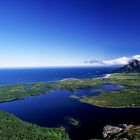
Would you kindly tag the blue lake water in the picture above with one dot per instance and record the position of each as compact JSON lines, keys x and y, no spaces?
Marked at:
{"x":52,"y":109}
{"x":95,"y":91}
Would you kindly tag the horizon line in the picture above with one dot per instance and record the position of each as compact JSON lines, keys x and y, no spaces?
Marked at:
{"x":13,"y":67}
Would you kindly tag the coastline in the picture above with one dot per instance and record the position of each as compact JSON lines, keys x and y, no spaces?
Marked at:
{"x":68,"y":79}
{"x":107,"y":75}
{"x":123,"y":107}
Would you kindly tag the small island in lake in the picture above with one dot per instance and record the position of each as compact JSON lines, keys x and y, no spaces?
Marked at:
{"x":72,"y":121}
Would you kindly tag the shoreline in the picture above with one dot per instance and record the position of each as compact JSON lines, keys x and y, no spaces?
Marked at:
{"x":68,"y":79}
{"x":107,"y":75}
{"x":123,"y":107}
{"x":64,"y":79}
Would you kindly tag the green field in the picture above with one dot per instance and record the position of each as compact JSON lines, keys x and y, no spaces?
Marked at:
{"x":129,"y":79}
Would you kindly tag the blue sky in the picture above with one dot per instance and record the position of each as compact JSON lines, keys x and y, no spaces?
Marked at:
{"x":67,"y":32}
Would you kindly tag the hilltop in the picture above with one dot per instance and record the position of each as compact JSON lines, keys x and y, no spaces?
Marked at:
{"x":132,"y":66}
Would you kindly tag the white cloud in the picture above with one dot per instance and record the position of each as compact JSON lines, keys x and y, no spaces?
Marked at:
{"x":118,"y":61}
{"x":136,"y":57}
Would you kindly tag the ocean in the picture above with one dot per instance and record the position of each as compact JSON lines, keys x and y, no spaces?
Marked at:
{"x":30,"y":75}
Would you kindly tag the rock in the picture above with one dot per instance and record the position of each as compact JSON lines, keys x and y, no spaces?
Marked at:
{"x":123,"y":132}
{"x":129,"y":127}
{"x":123,"y":125}
{"x":109,"y":130}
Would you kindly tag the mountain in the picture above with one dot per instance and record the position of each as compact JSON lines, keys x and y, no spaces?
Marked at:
{"x":132,"y":66}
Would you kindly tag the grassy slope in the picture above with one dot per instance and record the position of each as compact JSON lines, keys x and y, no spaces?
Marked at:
{"x":130,"y":79}
{"x":12,"y":128}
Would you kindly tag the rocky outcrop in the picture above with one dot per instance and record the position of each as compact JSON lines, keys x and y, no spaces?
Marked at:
{"x":121,"y":132}
{"x":109,"y":130}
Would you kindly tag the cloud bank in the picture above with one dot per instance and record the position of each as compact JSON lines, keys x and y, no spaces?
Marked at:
{"x":118,"y":61}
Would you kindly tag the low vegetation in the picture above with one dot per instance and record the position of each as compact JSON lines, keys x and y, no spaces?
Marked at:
{"x":12,"y":128}
{"x":72,"y":121}
{"x":129,"y":79}
{"x":129,"y":96}
{"x":126,"y":97}
{"x":19,"y":91}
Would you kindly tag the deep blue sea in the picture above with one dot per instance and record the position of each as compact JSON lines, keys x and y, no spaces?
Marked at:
{"x":54,"y":109}
{"x":30,"y":75}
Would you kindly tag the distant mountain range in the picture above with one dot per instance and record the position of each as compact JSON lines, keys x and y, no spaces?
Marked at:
{"x":132,"y":66}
